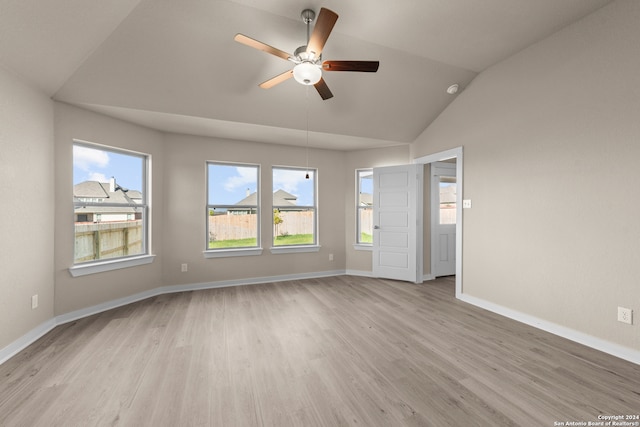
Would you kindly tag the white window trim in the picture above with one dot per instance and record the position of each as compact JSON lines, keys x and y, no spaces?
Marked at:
{"x":225,"y":253}
{"x":276,"y":250}
{"x":240,"y":251}
{"x":313,"y":247}
{"x":110,"y":265}
{"x":363,"y":246}
{"x":359,"y":246}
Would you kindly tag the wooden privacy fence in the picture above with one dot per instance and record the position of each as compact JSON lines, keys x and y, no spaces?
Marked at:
{"x":244,"y":226}
{"x":104,"y":240}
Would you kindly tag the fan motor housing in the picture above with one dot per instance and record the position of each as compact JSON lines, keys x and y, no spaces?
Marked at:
{"x":302,"y":55}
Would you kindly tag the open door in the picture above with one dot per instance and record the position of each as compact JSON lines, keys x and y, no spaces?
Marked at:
{"x":443,"y":219}
{"x":397,"y":222}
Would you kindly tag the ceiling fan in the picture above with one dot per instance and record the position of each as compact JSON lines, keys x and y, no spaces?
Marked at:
{"x":308,"y":59}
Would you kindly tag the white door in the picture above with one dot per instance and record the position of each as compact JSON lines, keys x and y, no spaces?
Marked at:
{"x":397,"y":226}
{"x":443,"y":219}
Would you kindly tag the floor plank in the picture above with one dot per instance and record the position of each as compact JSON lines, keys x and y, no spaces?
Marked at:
{"x":336,"y":351}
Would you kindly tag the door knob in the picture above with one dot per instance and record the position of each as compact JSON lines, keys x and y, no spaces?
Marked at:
{"x":376,"y":227}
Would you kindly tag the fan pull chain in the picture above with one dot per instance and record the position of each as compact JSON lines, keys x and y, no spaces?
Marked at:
{"x":307,"y":150}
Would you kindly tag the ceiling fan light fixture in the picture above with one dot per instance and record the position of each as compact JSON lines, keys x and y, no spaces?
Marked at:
{"x":307,"y":73}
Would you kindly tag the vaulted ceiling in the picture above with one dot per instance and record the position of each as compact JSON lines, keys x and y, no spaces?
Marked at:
{"x":173,"y":64}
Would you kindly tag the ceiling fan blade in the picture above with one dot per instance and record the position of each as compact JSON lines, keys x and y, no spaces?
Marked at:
{"x":323,"y":89}
{"x":241,"y":38}
{"x":277,"y":79}
{"x":326,"y":20}
{"x":363,"y":66}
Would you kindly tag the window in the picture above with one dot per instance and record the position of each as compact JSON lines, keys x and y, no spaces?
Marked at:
{"x":110,"y":203}
{"x":233,"y":214}
{"x":294,"y":207}
{"x":364,"y":206}
{"x":447,"y":211}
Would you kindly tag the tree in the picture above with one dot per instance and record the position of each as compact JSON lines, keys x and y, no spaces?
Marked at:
{"x":277,"y":220}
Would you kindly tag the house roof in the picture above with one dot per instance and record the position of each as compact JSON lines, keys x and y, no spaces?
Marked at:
{"x":131,"y":51}
{"x":92,"y":189}
{"x":101,"y":190}
{"x":366,"y":199}
{"x":280,"y":198}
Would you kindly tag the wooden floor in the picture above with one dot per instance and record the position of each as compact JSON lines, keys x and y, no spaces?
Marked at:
{"x":319,"y":352}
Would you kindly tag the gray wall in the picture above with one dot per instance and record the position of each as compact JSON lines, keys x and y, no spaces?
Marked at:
{"x":551,"y":142}
{"x":185,"y":193}
{"x":74,"y":293}
{"x":26,"y":216}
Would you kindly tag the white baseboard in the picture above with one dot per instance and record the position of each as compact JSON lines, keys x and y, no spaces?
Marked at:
{"x":26,"y":340}
{"x":605,"y":346}
{"x":30,"y":337}
{"x":89,"y":311}
{"x":359,"y":273}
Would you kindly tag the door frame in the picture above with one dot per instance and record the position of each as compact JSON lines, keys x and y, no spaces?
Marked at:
{"x":434,"y":208}
{"x":456,"y":153}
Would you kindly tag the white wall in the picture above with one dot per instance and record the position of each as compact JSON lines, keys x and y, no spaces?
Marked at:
{"x":26,"y":216}
{"x":551,"y":142}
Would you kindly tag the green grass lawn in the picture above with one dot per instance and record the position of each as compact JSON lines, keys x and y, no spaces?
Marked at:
{"x":366,"y":238}
{"x":235,"y":243}
{"x":295,"y":239}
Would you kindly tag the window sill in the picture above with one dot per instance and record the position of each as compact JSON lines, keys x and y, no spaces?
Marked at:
{"x":225,"y":253}
{"x":362,"y":247}
{"x":109,"y":265}
{"x":294,"y":249}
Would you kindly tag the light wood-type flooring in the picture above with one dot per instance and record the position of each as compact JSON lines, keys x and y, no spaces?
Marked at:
{"x":334,"y":351}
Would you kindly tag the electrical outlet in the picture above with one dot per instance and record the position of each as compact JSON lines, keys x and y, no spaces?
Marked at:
{"x":625,"y":315}
{"x":184,"y":268}
{"x":34,"y":302}
{"x":330,"y":257}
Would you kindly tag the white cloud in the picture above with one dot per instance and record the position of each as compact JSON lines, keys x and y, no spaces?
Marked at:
{"x":85,"y":158}
{"x":245,"y":176}
{"x":288,"y":180}
{"x":97,"y":176}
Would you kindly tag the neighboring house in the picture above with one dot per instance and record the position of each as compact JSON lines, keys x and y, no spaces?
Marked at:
{"x":366,"y":199}
{"x":109,"y":193}
{"x":280,"y":198}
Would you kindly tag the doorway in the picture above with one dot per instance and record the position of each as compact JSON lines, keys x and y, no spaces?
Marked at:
{"x":457,"y":154}
{"x":443,"y":209}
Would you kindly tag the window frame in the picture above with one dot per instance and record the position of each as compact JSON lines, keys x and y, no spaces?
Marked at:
{"x":115,"y":263}
{"x":359,"y":245}
{"x":303,"y":247}
{"x":240,"y":250}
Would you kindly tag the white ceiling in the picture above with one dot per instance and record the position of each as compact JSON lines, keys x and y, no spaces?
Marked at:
{"x":173,"y":65}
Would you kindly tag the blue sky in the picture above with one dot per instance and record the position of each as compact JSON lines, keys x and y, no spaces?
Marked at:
{"x":366,"y":182}
{"x":228,"y":184}
{"x":91,"y":164}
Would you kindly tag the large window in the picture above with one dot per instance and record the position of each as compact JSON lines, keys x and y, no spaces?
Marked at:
{"x":294,"y":206}
{"x":232,"y":206}
{"x":110,"y":203}
{"x":364,"y":206}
